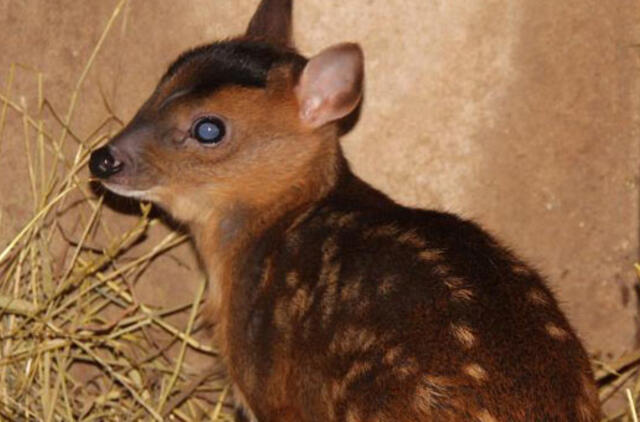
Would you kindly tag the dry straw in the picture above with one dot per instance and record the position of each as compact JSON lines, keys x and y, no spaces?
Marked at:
{"x":54,"y":306}
{"x":52,"y":309}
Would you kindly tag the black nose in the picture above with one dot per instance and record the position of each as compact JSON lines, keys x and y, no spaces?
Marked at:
{"x":103,"y":164}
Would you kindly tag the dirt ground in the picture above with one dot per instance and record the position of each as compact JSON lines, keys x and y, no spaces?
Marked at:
{"x":520,"y":114}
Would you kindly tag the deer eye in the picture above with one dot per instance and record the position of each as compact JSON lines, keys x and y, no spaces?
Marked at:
{"x":208,"y":130}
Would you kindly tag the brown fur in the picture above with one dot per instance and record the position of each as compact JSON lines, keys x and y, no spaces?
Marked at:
{"x":330,"y":302}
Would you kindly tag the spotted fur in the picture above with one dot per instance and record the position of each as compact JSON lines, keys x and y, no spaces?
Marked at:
{"x":329,"y":301}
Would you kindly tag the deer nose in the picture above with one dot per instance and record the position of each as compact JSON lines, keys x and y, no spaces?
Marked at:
{"x":103,"y":164}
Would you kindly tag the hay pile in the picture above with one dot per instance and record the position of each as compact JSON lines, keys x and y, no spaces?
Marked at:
{"x":75,"y":343}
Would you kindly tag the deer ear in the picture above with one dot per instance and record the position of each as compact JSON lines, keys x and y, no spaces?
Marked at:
{"x":330,"y":86}
{"x":272,"y":22}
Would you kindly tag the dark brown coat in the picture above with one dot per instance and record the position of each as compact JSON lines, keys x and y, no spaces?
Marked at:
{"x":331,"y":302}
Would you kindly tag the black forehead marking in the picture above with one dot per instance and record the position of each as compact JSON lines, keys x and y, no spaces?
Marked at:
{"x":239,"y":62}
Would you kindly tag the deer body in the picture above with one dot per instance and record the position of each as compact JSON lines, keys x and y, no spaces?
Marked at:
{"x":329,"y":301}
{"x":425,"y":318}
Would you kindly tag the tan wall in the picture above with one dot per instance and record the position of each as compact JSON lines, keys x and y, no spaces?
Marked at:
{"x":521,"y":114}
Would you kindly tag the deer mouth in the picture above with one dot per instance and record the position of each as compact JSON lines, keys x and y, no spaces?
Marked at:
{"x":127,"y":192}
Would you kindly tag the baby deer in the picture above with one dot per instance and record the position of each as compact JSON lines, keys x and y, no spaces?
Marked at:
{"x":330,"y":302}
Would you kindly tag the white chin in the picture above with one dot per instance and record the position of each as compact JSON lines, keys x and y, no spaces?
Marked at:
{"x":144,"y":195}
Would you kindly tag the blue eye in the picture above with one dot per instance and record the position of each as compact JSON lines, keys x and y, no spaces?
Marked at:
{"x":209,"y":130}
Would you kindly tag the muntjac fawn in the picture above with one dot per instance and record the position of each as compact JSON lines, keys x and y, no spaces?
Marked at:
{"x":330,"y":301}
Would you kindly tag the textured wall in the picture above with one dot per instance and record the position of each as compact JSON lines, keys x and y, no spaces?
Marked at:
{"x":521,"y":114}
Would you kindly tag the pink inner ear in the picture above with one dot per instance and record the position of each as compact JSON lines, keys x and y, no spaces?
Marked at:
{"x":331,"y":85}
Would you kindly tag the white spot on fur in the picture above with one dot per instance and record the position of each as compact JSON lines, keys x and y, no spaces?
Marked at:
{"x":458,"y":289}
{"x":476,"y":372}
{"x":556,"y":332}
{"x":428,"y":395}
{"x":410,"y":238}
{"x":463,"y":334}
{"x":430,"y":255}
